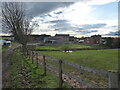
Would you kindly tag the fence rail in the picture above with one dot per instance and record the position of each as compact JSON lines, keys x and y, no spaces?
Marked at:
{"x":72,"y":76}
{"x":111,"y":76}
{"x":80,"y":80}
{"x":91,"y":70}
{"x":99,"y":72}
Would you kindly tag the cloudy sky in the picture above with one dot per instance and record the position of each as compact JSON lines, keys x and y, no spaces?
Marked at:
{"x":82,"y":18}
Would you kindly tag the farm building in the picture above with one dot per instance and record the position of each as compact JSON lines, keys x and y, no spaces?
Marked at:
{"x":39,"y":38}
{"x":51,"y":40}
{"x":95,"y":39}
{"x":63,"y":38}
{"x":57,"y":39}
{"x":71,"y":39}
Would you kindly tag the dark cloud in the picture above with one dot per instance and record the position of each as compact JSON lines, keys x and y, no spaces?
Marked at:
{"x":38,"y":8}
{"x":49,"y":15}
{"x":60,"y":12}
{"x":58,"y":21}
{"x":113,"y":33}
{"x":86,"y":31}
{"x":81,"y":28}
{"x":87,"y":28}
{"x":60,"y":24}
{"x":63,"y":25}
{"x":94,"y":30}
{"x":90,"y":26}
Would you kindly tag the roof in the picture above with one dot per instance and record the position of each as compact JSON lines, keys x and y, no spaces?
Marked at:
{"x":62,"y":35}
{"x":96,"y":36}
{"x":42,"y":35}
{"x":71,"y":37}
{"x":6,"y":36}
{"x":53,"y":38}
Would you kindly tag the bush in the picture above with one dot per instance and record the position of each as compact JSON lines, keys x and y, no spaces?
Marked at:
{"x":116,"y":43}
{"x":109,"y":42}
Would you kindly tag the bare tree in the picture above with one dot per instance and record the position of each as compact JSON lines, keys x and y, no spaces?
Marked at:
{"x":16,"y":22}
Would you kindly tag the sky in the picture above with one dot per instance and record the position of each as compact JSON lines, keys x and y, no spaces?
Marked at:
{"x":81,"y":18}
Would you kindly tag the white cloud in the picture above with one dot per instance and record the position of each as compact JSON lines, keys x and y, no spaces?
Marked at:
{"x":48,"y":32}
{"x":79,"y":13}
{"x":100,"y":2}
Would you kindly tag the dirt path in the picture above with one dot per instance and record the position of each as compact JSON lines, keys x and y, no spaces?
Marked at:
{"x":6,"y":63}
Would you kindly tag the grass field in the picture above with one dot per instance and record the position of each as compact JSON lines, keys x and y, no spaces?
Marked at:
{"x":100,"y":59}
{"x":70,"y":46}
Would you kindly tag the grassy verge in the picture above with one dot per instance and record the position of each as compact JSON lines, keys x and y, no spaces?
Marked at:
{"x":24,"y":74}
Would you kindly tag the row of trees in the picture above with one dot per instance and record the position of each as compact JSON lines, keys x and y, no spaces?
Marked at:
{"x":113,"y":42}
{"x":16,"y":22}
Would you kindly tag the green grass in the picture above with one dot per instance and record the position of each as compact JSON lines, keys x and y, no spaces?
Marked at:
{"x":69,"y":46}
{"x":96,"y":80}
{"x":24,"y":74}
{"x":100,"y":59}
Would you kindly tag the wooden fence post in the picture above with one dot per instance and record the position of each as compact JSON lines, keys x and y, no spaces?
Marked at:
{"x":44,"y":64}
{"x":29,"y":54}
{"x":37,"y":60}
{"x":113,"y":80}
{"x":32,"y":56}
{"x":60,"y":74}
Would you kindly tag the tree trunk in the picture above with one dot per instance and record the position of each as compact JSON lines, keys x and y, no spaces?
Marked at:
{"x":24,"y":47}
